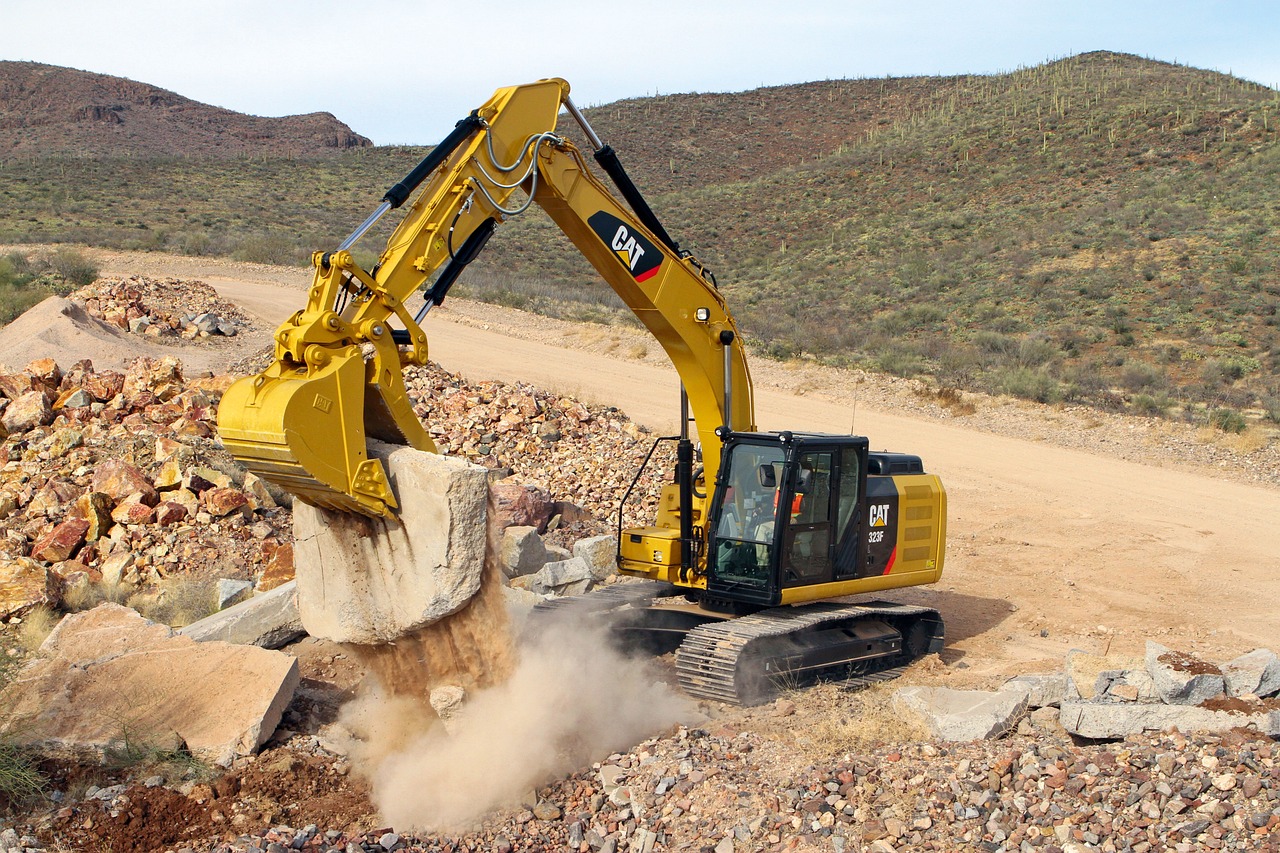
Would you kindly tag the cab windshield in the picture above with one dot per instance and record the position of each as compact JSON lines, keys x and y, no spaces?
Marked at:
{"x":747,"y":512}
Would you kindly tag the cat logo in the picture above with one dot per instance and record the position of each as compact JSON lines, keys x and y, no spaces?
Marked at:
{"x":879,"y":515}
{"x":627,"y":248}
{"x":641,"y":258}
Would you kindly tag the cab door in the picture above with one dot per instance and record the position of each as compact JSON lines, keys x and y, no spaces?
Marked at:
{"x":808,"y":541}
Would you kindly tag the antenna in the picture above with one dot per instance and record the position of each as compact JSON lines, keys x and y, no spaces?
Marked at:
{"x":853,"y":417}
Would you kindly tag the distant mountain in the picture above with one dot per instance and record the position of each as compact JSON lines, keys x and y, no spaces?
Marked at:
{"x":45,"y":109}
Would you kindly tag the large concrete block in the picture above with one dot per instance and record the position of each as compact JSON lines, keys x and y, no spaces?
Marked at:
{"x":363,"y":580}
{"x":269,"y":620}
{"x":108,"y":674}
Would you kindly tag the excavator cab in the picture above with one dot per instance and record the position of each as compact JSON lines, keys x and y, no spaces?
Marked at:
{"x":802,"y":516}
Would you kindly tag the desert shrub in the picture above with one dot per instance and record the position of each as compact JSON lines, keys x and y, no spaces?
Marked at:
{"x":21,"y":781}
{"x":1030,"y":384}
{"x":1034,"y":352}
{"x":1151,"y":406}
{"x":900,"y":361}
{"x":269,"y":249}
{"x":72,"y":267}
{"x":1227,"y":420}
{"x":36,"y":626}
{"x":88,"y":596}
{"x":1271,"y":409}
{"x":1142,"y":377}
{"x":181,"y":600}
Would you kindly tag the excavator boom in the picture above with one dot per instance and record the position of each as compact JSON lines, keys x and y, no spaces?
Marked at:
{"x":336,"y":379}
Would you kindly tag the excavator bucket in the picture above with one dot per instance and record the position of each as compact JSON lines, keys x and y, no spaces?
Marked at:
{"x":304,"y":431}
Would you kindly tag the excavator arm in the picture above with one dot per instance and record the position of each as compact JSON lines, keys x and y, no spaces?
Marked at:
{"x":336,"y":378}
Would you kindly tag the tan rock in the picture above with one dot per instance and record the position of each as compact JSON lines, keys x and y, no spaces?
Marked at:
{"x":109,"y":671}
{"x":166,"y":447}
{"x":61,"y":542}
{"x":169,"y":476}
{"x":119,"y":479}
{"x":72,"y":398}
{"x":27,"y":412}
{"x":24,"y":584}
{"x":95,"y":508}
{"x":256,"y":488}
{"x":115,"y":566}
{"x":186,"y":498}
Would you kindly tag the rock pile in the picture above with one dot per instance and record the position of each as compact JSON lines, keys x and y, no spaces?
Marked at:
{"x":723,"y":789}
{"x":115,"y":477}
{"x":162,"y":308}
{"x":586,"y":455}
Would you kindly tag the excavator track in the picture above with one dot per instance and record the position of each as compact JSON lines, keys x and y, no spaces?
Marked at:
{"x":748,"y":660}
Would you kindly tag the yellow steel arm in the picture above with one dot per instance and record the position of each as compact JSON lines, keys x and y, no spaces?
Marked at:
{"x":337,"y":376}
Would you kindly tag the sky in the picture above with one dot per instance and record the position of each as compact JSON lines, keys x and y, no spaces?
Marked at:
{"x":403,"y":71}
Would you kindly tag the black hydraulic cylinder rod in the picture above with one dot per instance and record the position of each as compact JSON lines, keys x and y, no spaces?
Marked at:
{"x":397,"y":194}
{"x":608,"y":160}
{"x":465,"y":255}
{"x":684,"y":480}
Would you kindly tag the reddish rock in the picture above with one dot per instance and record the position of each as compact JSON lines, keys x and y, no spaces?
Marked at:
{"x":223,"y":501}
{"x":74,"y":378}
{"x":278,"y":569}
{"x":105,"y":385}
{"x":133,"y":511}
{"x":14,"y":385}
{"x":166,"y":447}
{"x":119,"y":479}
{"x":170,"y":512}
{"x":61,"y":542}
{"x":28,"y":411}
{"x":523,"y":506}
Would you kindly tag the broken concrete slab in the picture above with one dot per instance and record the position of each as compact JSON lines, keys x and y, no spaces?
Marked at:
{"x":269,"y":620}
{"x":370,"y":581}
{"x":108,"y":673}
{"x":1104,"y":721}
{"x":1256,"y":672}
{"x":1180,"y":678}
{"x":1043,"y":691}
{"x":964,"y":715}
{"x":1083,"y":671}
{"x":1129,"y":685}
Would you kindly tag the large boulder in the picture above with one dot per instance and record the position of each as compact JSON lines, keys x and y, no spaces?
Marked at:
{"x":107,"y":674}
{"x":521,"y":551}
{"x":363,"y":580}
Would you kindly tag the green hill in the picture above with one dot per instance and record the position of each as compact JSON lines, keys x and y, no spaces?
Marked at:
{"x":1101,"y":228}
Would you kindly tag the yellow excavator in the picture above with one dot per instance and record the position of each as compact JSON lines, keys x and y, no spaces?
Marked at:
{"x":756,"y":533}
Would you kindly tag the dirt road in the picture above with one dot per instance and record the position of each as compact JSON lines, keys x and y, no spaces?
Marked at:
{"x":1050,"y":547}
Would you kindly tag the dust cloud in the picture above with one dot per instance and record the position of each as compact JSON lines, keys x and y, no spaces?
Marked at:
{"x":570,"y":699}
